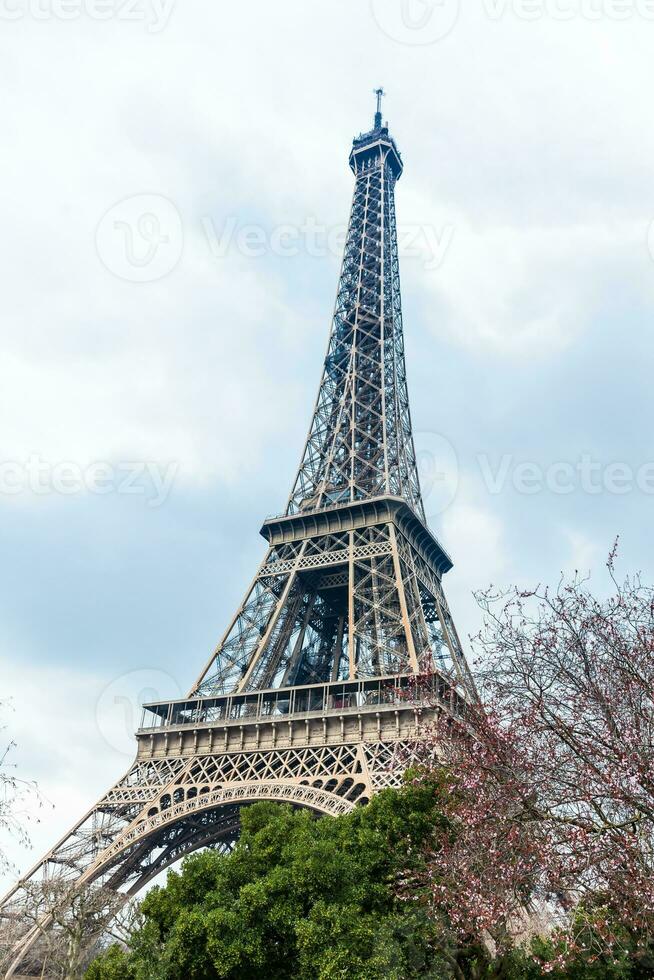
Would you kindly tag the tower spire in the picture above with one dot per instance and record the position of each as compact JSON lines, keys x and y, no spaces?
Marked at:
{"x":379,"y":92}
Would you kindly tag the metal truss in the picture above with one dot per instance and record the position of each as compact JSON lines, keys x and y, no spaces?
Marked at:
{"x":360,"y":442}
{"x":362,"y":602}
{"x":310,"y":698}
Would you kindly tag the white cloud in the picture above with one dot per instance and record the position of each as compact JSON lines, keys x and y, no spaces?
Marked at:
{"x":516,"y":285}
{"x":475,"y":536}
{"x":524,"y":292}
{"x":584,"y":556}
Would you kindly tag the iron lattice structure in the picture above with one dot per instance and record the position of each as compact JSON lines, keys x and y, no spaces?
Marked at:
{"x":311,"y":694}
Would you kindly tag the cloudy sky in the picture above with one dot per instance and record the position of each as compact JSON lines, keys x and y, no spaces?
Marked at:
{"x":174,"y":192}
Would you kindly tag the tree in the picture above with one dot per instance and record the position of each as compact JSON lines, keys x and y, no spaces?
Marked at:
{"x":308,"y":898}
{"x":298,"y":897}
{"x":13,"y":792}
{"x":551,"y":783}
{"x":72,"y":923}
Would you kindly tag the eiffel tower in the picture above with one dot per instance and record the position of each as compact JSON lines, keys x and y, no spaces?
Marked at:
{"x":311,"y":694}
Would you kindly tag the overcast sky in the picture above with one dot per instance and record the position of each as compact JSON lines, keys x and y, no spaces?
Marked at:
{"x":174,"y":191}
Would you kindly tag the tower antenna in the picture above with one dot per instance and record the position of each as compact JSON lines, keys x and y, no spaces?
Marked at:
{"x":379,"y":92}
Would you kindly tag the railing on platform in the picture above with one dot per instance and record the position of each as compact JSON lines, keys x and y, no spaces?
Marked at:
{"x":316,"y":699}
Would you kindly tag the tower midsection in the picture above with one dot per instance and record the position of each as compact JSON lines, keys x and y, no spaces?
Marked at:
{"x":346,"y":592}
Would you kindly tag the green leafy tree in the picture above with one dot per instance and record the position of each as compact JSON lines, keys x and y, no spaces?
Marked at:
{"x":298,"y":897}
